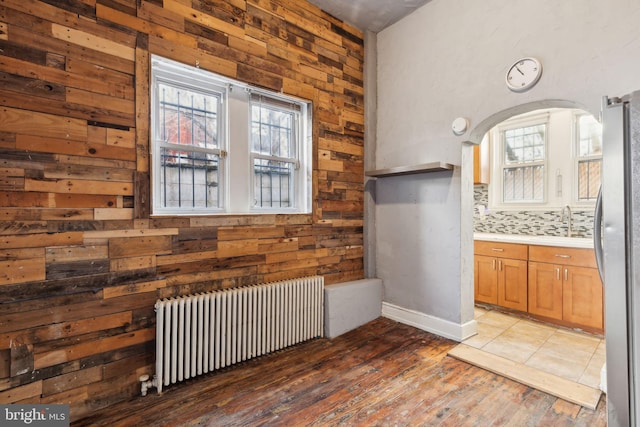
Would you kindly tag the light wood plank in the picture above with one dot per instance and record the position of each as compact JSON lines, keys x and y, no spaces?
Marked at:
{"x":130,"y":233}
{"x":41,"y":124}
{"x":91,"y":41}
{"x":125,"y":247}
{"x":75,"y":253}
{"x":41,"y":240}
{"x":107,"y":214}
{"x":78,"y":186}
{"x":21,"y":271}
{"x":50,"y":144}
{"x":120,"y":138}
{"x":191,"y":56}
{"x":565,"y":389}
{"x":133,"y":263}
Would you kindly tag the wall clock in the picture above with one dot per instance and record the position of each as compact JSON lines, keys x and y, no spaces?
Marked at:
{"x":523,"y":74}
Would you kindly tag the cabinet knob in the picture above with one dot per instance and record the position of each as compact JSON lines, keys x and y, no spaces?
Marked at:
{"x":563,"y":256}
{"x":497,"y":249}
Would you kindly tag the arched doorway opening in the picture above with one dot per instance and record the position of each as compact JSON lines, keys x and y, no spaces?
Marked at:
{"x":548,"y":205}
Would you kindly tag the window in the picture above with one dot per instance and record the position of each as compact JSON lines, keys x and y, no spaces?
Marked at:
{"x":523,"y":163}
{"x":220,"y":146}
{"x":187,"y":141}
{"x":589,"y":156}
{"x":544,"y":160}
{"x":273,"y":150}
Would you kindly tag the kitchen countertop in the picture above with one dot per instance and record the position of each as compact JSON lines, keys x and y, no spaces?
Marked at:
{"x":568,"y":242}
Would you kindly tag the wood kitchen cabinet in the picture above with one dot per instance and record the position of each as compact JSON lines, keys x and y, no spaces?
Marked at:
{"x":582,"y":299}
{"x":500,"y":274}
{"x":545,"y":290}
{"x":564,"y":284}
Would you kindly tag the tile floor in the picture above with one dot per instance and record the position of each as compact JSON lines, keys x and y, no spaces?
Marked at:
{"x":572,"y":355}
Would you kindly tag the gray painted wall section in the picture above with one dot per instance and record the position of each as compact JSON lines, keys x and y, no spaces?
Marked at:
{"x":370,"y":111}
{"x":418,"y":230}
{"x":446,"y":60}
{"x":349,"y":305}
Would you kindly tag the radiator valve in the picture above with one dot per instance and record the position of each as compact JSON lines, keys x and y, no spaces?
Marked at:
{"x":146,"y":383}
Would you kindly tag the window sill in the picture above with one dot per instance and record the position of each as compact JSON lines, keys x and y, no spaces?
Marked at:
{"x":225,"y":214}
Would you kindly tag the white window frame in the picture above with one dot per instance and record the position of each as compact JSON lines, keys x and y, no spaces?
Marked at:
{"x":236,"y":159}
{"x":496,"y":194}
{"x":561,"y":175}
{"x":576,"y":158}
{"x":192,"y":79}
{"x":298,"y":114}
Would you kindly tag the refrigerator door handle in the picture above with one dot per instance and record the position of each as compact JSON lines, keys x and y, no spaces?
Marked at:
{"x":597,"y":235}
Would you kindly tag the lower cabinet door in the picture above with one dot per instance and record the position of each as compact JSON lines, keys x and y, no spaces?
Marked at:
{"x":582,"y":297}
{"x":485,"y":279}
{"x":512,"y":284}
{"x":545,"y":290}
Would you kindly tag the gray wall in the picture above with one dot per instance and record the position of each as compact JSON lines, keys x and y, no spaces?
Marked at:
{"x":446,"y":60}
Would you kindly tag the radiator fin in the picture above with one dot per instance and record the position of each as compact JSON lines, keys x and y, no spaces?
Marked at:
{"x":200,"y":333}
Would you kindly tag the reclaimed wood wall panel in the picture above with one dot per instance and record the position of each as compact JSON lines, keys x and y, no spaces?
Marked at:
{"x":82,"y":261}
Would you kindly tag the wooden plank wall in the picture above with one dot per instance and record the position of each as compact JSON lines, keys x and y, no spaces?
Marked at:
{"x":82,"y":262}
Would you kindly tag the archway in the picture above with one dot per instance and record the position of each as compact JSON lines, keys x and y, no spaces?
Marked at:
{"x":468,"y":190}
{"x":479,"y":130}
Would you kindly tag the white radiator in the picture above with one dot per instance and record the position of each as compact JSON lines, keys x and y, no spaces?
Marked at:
{"x":199,"y":333}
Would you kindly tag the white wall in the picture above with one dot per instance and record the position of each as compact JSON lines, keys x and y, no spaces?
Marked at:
{"x":448,"y":59}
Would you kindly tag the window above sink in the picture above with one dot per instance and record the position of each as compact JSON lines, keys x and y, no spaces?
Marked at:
{"x":544,"y":160}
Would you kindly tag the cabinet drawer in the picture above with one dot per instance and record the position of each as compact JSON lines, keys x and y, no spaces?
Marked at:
{"x":500,"y":250}
{"x":563,"y":256}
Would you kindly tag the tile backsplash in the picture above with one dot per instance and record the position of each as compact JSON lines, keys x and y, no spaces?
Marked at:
{"x":533,"y":223}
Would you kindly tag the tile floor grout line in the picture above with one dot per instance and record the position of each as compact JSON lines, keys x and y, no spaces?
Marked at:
{"x":556,"y":332}
{"x":588,"y":363}
{"x":540,"y":346}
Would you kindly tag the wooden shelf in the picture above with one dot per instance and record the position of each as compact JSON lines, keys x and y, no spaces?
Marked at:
{"x":410,"y":170}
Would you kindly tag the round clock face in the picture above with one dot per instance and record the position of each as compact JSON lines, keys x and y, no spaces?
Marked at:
{"x":523,"y":74}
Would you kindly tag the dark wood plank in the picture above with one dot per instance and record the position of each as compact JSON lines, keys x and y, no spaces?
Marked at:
{"x":383,"y":373}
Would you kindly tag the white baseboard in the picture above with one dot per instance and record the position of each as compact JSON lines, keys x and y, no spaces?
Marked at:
{"x":435,"y":325}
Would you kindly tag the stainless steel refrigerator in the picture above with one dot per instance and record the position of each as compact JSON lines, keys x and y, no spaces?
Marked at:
{"x":617,"y":242}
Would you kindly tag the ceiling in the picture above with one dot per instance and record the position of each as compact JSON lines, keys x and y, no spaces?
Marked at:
{"x":372,"y":15}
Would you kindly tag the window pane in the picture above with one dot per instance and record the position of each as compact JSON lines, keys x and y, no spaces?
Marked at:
{"x":273,"y":183}
{"x":524,"y":145}
{"x":525,"y":184}
{"x":189,"y":179}
{"x":272,"y":130}
{"x":590,"y":136}
{"x":589,"y":145}
{"x":188,"y":117}
{"x":589,"y":179}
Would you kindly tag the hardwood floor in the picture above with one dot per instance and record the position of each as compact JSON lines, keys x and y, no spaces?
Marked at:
{"x":383,"y":374}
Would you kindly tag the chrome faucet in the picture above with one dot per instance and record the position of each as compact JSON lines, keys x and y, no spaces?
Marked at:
{"x":566,"y":209}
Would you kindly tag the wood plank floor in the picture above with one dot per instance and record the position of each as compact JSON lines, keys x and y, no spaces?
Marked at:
{"x":382,"y":374}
